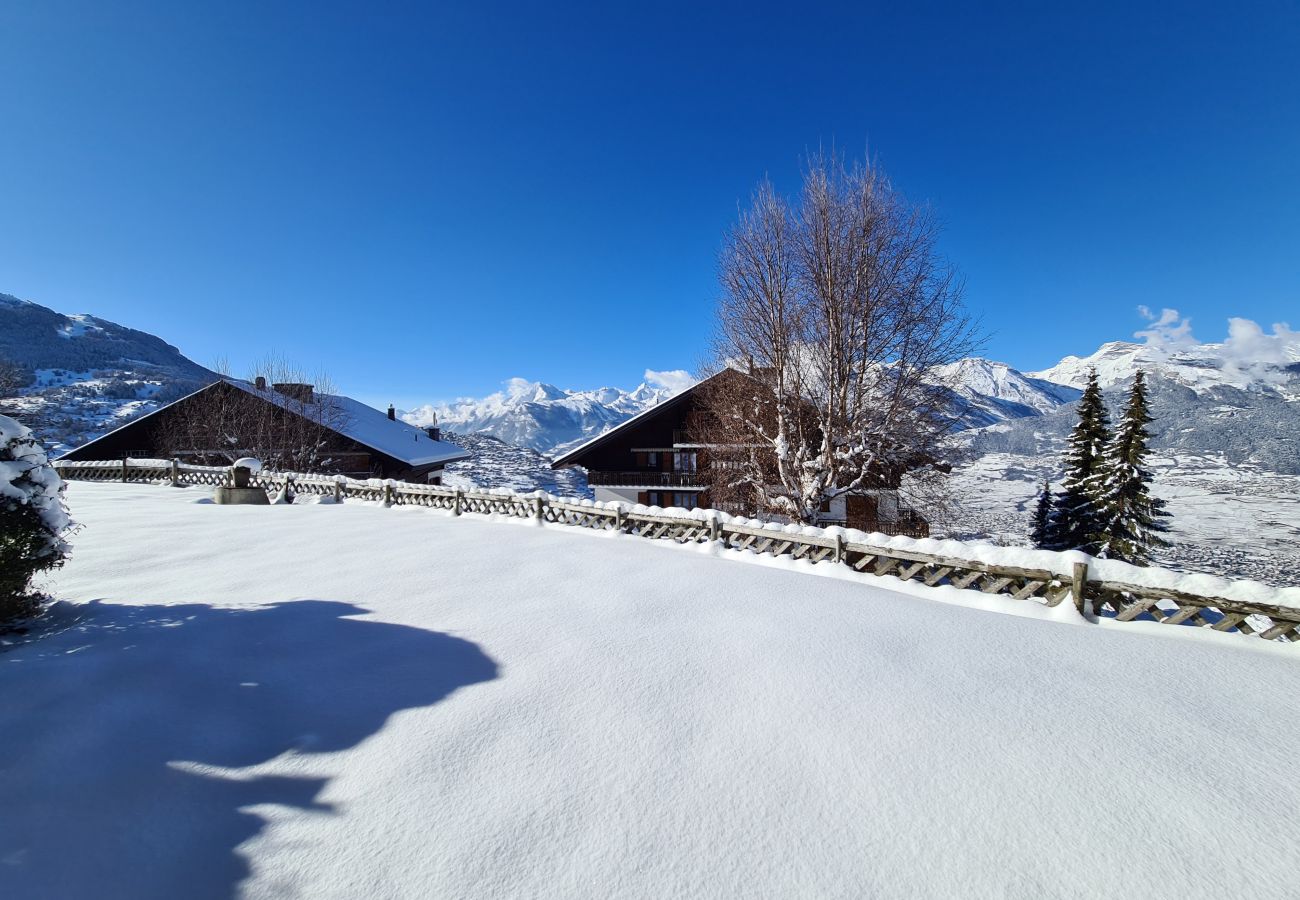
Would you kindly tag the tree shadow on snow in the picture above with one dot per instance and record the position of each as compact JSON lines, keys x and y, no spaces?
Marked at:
{"x":103,"y":710}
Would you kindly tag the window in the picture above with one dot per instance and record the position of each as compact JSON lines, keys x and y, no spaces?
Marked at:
{"x":652,"y":460}
{"x":684,"y":461}
{"x":684,"y":499}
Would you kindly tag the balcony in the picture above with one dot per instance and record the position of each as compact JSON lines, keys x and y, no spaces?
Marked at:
{"x":647,"y":479}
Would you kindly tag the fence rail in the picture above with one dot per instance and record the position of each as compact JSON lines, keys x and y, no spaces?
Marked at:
{"x":1093,"y":597}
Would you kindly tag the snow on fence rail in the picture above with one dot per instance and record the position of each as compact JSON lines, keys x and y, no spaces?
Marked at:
{"x":1099,"y":588}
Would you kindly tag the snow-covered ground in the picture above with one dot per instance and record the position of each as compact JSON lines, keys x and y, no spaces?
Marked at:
{"x":351,"y":701}
{"x":498,"y":465}
{"x":1236,"y":521}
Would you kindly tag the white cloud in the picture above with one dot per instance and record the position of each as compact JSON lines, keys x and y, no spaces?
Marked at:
{"x":1168,"y":331}
{"x":1249,"y":350}
{"x":675,"y":380}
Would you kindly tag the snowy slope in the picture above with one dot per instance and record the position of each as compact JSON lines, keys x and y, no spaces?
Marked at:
{"x":371,"y":704}
{"x":497,"y":464}
{"x":1270,"y":366}
{"x":546,"y":418}
{"x":1239,"y":521}
{"x":988,"y":392}
{"x":84,"y":375}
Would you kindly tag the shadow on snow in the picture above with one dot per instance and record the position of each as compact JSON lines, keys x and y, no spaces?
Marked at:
{"x":104,"y":708}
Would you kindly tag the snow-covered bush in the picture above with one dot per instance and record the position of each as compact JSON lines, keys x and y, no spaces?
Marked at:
{"x":33,"y":518}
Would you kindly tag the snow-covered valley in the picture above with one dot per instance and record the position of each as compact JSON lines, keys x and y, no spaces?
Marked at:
{"x":352,"y":701}
{"x":1235,"y":521}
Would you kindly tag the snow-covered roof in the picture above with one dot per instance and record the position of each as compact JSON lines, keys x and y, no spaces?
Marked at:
{"x":371,"y":427}
{"x":364,"y":424}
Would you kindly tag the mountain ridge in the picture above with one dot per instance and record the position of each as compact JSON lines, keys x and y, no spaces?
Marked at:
{"x":87,"y":375}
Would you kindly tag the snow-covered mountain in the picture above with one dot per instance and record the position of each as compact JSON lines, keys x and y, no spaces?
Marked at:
{"x":79,"y":376}
{"x":546,"y":418}
{"x":552,"y":420}
{"x":1248,"y":360}
{"x":988,"y":392}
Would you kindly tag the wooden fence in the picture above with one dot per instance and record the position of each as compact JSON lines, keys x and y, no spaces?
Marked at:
{"x":1092,"y":596}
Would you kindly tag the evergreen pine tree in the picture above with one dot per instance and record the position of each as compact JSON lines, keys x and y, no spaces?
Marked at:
{"x":33,"y":519}
{"x":1134,"y":518}
{"x":1078,"y":519}
{"x":1041,"y":530}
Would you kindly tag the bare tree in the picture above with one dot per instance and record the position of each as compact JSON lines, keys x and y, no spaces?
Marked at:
{"x":840,"y":311}
{"x":280,"y":415}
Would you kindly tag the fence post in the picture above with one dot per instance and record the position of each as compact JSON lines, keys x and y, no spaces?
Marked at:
{"x":715,"y":529}
{"x":388,"y":493}
{"x":540,"y":501}
{"x":176,"y":472}
{"x":338,"y":491}
{"x":288,"y":488}
{"x":618,"y":518}
{"x":839,"y":548}
{"x":455,"y":505}
{"x":1079,"y":585}
{"x":124,"y":470}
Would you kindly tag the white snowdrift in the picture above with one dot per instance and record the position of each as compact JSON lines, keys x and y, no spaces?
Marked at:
{"x":351,"y":701}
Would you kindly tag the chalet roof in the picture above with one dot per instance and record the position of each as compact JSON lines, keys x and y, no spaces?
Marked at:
{"x":669,"y":405}
{"x":372,"y":428}
{"x":361,"y":423}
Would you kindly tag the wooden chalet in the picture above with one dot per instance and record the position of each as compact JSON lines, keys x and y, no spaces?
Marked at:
{"x":217,"y":422}
{"x":653,"y":459}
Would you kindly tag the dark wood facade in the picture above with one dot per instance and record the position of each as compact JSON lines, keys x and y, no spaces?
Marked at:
{"x":651,"y":459}
{"x":160,"y":435}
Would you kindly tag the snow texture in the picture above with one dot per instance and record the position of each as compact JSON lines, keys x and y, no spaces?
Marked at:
{"x":369,"y":702}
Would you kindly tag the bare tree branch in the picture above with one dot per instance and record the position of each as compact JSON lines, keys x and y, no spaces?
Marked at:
{"x":841,"y":311}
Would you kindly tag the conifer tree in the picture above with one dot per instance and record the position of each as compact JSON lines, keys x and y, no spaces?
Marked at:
{"x":1040,"y":532}
{"x":1078,"y":517}
{"x":33,"y":519}
{"x":1134,"y":518}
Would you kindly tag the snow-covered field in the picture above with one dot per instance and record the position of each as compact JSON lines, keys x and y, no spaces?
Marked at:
{"x":350,"y":701}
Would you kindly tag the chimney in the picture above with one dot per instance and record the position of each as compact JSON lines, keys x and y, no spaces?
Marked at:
{"x":392,"y":413}
{"x":260,"y":382}
{"x":434,"y":432}
{"x":295,"y":390}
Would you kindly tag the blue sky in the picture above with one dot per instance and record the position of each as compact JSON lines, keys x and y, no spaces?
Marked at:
{"x":426,"y":201}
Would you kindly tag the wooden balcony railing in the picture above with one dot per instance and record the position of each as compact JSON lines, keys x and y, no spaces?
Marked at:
{"x":646,"y":479}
